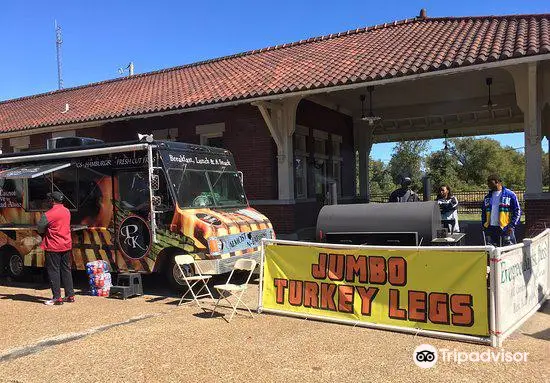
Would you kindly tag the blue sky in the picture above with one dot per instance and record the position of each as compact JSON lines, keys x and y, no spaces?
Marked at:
{"x":102,"y":36}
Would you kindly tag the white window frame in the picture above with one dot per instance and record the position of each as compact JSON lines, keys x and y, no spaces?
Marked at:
{"x":209,"y":131}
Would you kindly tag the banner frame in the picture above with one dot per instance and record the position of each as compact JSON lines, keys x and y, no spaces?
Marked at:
{"x":261,"y":283}
{"x":488,"y":340}
{"x":377,"y":326}
{"x":500,"y":334}
{"x":493,"y":320}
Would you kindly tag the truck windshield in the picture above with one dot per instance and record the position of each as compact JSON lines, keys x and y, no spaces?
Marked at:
{"x":199,"y":188}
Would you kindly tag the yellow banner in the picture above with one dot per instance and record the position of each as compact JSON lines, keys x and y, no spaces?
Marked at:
{"x":428,"y":289}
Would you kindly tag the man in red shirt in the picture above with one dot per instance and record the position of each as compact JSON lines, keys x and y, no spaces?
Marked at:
{"x":55,"y":226}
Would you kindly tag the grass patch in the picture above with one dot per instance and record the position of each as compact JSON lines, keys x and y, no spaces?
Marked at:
{"x":469,"y":217}
{"x":477,"y":217}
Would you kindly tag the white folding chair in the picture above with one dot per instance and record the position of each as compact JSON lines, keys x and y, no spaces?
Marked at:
{"x":186,"y":261}
{"x":229,"y":289}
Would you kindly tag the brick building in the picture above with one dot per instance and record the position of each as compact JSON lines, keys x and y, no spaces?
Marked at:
{"x":294,"y":115}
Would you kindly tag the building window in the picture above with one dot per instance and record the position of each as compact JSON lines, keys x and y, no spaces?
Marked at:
{"x":20,"y":144}
{"x":65,"y":133}
{"x":336,"y":162}
{"x":319,"y":162}
{"x":322,"y":159}
{"x":320,"y":175}
{"x":166,"y":134}
{"x":215,"y":140}
{"x":320,"y":146}
{"x":211,"y":134}
{"x":300,"y":176}
{"x":300,"y":161}
{"x":336,"y":142}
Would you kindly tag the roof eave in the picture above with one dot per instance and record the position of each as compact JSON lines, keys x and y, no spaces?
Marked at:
{"x":277,"y":96}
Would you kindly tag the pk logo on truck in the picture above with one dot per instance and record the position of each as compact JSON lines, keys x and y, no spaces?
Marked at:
{"x":134,"y":237}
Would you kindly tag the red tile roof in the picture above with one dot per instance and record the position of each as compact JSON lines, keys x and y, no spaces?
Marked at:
{"x":395,"y":49}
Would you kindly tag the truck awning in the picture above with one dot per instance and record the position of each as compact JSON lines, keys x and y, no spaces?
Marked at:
{"x":32,"y":171}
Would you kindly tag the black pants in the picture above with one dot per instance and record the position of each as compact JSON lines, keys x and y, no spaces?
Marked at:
{"x":496,"y":237}
{"x":448,"y":224}
{"x":58,"y":265}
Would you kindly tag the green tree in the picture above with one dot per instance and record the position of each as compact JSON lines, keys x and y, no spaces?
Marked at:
{"x":380,"y":178}
{"x":478,"y":157}
{"x":407,"y":161}
{"x":443,"y":169}
{"x":513,"y":169}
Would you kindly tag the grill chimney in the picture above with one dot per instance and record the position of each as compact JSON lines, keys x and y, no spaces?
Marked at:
{"x":423,"y":15}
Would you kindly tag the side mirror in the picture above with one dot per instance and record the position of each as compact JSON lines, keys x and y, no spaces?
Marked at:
{"x":241,"y":177}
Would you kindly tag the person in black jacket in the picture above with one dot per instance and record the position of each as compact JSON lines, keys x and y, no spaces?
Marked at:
{"x":404,"y":193}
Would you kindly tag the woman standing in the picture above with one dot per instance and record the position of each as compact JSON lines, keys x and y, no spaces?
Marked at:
{"x":448,"y":204}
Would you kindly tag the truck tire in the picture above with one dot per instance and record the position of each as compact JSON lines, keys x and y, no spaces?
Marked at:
{"x":173,"y":274}
{"x":14,"y":265}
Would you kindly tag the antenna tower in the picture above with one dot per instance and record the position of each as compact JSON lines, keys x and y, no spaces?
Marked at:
{"x":58,"y":42}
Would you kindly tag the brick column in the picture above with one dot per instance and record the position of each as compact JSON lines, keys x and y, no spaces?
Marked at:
{"x":537,"y":214}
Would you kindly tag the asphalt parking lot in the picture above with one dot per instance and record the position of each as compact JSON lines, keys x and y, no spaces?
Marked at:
{"x":150,"y":339}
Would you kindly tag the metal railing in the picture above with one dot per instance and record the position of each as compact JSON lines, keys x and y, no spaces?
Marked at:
{"x":469,"y":202}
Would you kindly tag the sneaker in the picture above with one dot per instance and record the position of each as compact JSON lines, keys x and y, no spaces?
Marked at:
{"x":54,"y":302}
{"x":69,"y":299}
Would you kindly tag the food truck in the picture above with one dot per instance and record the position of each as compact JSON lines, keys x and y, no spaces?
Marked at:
{"x":135,"y":205}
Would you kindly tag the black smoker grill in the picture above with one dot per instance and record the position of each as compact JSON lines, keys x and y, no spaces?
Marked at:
{"x":386,"y":224}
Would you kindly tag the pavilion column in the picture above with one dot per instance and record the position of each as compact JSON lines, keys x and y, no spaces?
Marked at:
{"x":545,"y":121}
{"x":527,"y":80}
{"x":280,"y":118}
{"x":362,"y":133}
{"x":532,"y":83}
{"x":533,"y":134}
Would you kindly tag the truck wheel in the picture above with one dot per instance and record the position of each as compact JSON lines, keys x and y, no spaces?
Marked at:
{"x":174,"y":276}
{"x":14,"y":265}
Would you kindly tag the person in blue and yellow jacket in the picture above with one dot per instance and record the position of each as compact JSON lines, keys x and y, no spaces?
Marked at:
{"x":500,"y":213}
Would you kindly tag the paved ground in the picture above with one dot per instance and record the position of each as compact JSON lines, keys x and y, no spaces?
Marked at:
{"x":150,"y":339}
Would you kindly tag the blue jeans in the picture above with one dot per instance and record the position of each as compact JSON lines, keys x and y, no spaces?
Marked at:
{"x":495,"y":236}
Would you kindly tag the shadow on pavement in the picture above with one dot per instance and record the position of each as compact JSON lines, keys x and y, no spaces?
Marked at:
{"x":34,"y":279}
{"x":208,"y":315}
{"x":23,"y":297}
{"x":155,"y":286}
{"x":544,"y":334}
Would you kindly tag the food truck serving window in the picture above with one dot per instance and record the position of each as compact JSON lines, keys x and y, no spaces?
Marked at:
{"x":31,"y":171}
{"x":62,"y":180}
{"x":39,"y":180}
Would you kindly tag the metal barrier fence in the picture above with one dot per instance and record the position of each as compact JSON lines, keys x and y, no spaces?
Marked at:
{"x":469,"y":202}
{"x":494,"y":301}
